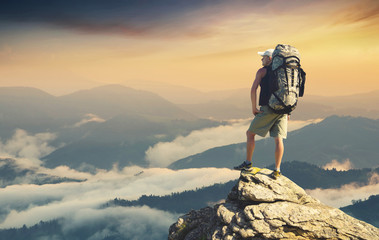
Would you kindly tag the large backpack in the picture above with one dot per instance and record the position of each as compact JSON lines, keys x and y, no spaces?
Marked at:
{"x":287,"y":80}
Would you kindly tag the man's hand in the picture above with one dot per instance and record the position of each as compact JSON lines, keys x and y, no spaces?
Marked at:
{"x":256,"y":111}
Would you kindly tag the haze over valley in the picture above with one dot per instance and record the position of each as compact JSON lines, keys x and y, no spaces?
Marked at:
{"x":80,"y":151}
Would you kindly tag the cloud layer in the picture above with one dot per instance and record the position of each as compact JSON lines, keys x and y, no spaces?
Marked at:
{"x":28,"y":204}
{"x":163,"y":18}
{"x":77,"y":205}
{"x":131,"y":18}
{"x":23,"y":145}
{"x":163,"y":154}
{"x":343,"y":196}
{"x":128,"y":223}
{"x":88,"y":118}
{"x":335,"y":164}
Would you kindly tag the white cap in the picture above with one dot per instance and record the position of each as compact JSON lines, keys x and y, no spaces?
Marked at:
{"x":268,"y":52}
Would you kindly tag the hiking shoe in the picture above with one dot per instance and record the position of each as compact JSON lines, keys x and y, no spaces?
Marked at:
{"x":244,"y":166}
{"x":252,"y":171}
{"x":275,"y":174}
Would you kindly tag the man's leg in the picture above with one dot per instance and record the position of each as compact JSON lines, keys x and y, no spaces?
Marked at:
{"x":250,"y":145}
{"x":279,"y":150}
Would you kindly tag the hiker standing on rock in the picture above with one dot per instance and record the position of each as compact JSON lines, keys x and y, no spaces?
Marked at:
{"x":265,"y":119}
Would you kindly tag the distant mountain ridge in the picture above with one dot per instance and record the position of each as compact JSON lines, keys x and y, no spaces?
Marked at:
{"x":115,"y":124}
{"x":111,"y":100}
{"x":237,"y":104}
{"x":123,"y":140}
{"x":365,"y":210}
{"x":339,"y":138}
{"x":98,"y":100}
{"x":35,"y":111}
{"x":97,"y":127}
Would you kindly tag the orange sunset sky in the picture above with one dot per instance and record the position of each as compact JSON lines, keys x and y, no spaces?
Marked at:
{"x":63,"y":46}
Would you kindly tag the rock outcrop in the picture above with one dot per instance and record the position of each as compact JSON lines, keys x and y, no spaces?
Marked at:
{"x":259,"y":207}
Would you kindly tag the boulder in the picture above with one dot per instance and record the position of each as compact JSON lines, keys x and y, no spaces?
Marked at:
{"x":259,"y":207}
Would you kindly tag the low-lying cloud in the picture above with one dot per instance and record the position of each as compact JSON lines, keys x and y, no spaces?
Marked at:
{"x":77,"y":205}
{"x":24,"y":145}
{"x":125,"y":222}
{"x":28,"y":204}
{"x":163,"y":154}
{"x":343,"y":196}
{"x":339,"y":166}
{"x":88,"y":118}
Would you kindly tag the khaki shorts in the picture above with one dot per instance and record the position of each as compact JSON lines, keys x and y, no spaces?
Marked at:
{"x":268,"y":121}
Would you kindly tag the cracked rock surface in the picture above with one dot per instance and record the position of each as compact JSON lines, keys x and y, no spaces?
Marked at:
{"x":259,"y":207}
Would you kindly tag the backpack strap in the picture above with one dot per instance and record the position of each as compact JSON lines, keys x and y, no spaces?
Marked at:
{"x":302,"y":76}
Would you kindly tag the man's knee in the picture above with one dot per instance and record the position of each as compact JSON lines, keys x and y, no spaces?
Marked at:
{"x":250,"y":135}
{"x":278,"y":140}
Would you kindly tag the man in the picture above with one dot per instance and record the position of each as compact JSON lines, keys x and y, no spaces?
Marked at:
{"x":265,"y":119}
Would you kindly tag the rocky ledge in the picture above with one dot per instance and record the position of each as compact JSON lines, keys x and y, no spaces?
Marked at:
{"x":259,"y":207}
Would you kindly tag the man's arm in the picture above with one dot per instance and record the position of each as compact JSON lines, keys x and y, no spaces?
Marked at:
{"x":253,"y":94}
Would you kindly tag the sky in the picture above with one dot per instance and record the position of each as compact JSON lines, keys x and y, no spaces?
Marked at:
{"x":62,"y":46}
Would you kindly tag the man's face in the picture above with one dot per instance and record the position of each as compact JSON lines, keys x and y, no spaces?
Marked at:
{"x":266,"y":60}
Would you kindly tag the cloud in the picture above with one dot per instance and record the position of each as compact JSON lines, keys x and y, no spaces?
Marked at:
{"x":88,"y":118}
{"x":77,"y":205}
{"x":165,"y":18}
{"x":132,"y":18}
{"x":365,"y":11}
{"x":334,"y":164}
{"x":23,"y":145}
{"x":29,"y":204}
{"x":343,"y":196}
{"x":29,"y":171}
{"x":163,"y":154}
{"x":131,"y":223}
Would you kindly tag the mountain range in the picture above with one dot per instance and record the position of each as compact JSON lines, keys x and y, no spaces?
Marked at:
{"x":113,"y":124}
{"x":97,"y":127}
{"x":36,"y":111}
{"x":236,"y":104}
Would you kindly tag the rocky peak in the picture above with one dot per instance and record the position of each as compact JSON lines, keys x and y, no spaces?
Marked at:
{"x":259,"y":207}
